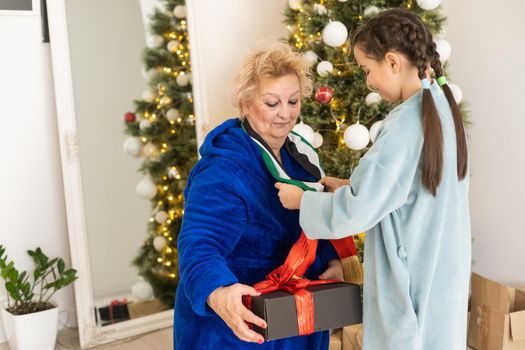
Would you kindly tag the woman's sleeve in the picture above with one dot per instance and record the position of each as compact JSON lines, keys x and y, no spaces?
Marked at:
{"x":379,"y":185}
{"x":326,"y":252}
{"x":214,"y":220}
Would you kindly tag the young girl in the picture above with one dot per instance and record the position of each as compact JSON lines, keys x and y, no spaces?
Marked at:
{"x":409,"y":192}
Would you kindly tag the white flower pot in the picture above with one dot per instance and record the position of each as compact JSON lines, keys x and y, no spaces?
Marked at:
{"x":36,"y":331}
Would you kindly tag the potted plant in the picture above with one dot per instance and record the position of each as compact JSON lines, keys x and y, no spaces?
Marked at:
{"x":30,"y":317}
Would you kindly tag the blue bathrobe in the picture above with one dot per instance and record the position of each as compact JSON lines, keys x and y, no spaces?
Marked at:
{"x":234,"y":230}
{"x":418,"y":248}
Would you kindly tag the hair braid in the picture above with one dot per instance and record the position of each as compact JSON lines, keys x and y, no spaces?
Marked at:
{"x":461,"y":141}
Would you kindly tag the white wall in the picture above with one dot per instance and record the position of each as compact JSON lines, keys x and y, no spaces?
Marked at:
{"x":31,"y":197}
{"x":221,"y":34}
{"x":487,"y":60}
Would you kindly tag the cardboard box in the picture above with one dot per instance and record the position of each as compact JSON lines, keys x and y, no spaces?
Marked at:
{"x":353,"y":337}
{"x":336,"y":340}
{"x":335,"y":305}
{"x":144,"y":308}
{"x":497,"y":316}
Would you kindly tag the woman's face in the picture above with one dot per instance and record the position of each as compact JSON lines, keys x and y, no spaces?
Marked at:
{"x":274,"y":108}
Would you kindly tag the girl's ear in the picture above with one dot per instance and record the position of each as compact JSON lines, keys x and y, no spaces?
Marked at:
{"x":394,"y":61}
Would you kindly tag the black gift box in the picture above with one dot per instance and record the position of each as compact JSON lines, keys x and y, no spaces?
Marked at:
{"x":335,"y":305}
{"x":114,"y":313}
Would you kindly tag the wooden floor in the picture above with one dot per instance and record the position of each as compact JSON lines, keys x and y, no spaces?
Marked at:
{"x":159,"y":340}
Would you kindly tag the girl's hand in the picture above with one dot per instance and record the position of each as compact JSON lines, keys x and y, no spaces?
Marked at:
{"x":332,"y":183}
{"x":227,"y":303}
{"x":289,"y":195}
{"x":334,"y":271}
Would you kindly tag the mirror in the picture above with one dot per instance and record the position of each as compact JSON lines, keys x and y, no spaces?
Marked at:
{"x":96,"y":50}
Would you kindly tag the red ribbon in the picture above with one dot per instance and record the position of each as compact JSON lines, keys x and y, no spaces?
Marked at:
{"x":288,"y":277}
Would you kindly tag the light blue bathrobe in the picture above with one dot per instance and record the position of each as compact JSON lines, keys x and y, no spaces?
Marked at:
{"x":418,"y":248}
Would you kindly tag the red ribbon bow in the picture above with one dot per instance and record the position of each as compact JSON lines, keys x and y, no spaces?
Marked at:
{"x":289,"y":277}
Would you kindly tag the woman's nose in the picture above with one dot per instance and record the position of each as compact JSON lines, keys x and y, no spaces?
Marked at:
{"x":284,"y":111}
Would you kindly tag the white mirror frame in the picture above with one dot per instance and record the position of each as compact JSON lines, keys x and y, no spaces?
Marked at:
{"x":89,"y":333}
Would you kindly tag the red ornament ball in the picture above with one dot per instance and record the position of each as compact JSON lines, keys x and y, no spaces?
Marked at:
{"x":129,"y":117}
{"x":324,"y":94}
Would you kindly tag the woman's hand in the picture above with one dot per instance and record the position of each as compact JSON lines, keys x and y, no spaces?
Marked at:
{"x":332,"y":183}
{"x":334,"y":271}
{"x":290,"y":195}
{"x":227,"y":303}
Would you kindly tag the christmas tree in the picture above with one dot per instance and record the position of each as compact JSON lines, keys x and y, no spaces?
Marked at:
{"x":162,"y":131}
{"x":343,"y":116}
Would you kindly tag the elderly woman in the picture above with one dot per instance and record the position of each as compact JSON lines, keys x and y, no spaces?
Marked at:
{"x":235,"y":231}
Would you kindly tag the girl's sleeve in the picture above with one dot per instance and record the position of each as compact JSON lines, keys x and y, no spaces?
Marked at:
{"x":379,"y":185}
{"x":214,"y":220}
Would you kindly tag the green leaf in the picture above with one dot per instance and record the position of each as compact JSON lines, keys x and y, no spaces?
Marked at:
{"x":61,"y":266}
{"x":22,"y":276}
{"x":37,"y":273}
{"x":13,"y":290}
{"x":53,"y":285}
{"x":13,"y":274}
{"x":51,"y":262}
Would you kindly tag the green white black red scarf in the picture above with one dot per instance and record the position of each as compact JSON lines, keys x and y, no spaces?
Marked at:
{"x":299,"y":149}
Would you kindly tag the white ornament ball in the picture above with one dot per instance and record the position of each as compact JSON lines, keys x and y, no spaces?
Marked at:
{"x":172,"y":114}
{"x":182,"y":79}
{"x":335,"y":34}
{"x":324,"y":68}
{"x":295,"y":4}
{"x":179,"y":11}
{"x":165,"y":100}
{"x":428,"y":4}
{"x":357,"y":137}
{"x":318,"y":140}
{"x":374,"y":129}
{"x":148,"y":74}
{"x":142,"y":291}
{"x":144,"y":124}
{"x":146,"y":188}
{"x":456,"y":91}
{"x":148,"y":96}
{"x":159,"y":243}
{"x":305,"y":131}
{"x":320,"y":9}
{"x":155,"y":41}
{"x":310,"y":56}
{"x":132,"y":146}
{"x":173,"y":45}
{"x":444,"y":49}
{"x":150,"y":150}
{"x":343,"y":0}
{"x":372,"y":98}
{"x":371,"y":11}
{"x":161,"y":217}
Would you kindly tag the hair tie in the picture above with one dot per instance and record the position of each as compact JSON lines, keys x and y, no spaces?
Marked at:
{"x":425,"y":83}
{"x":442,"y":80}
